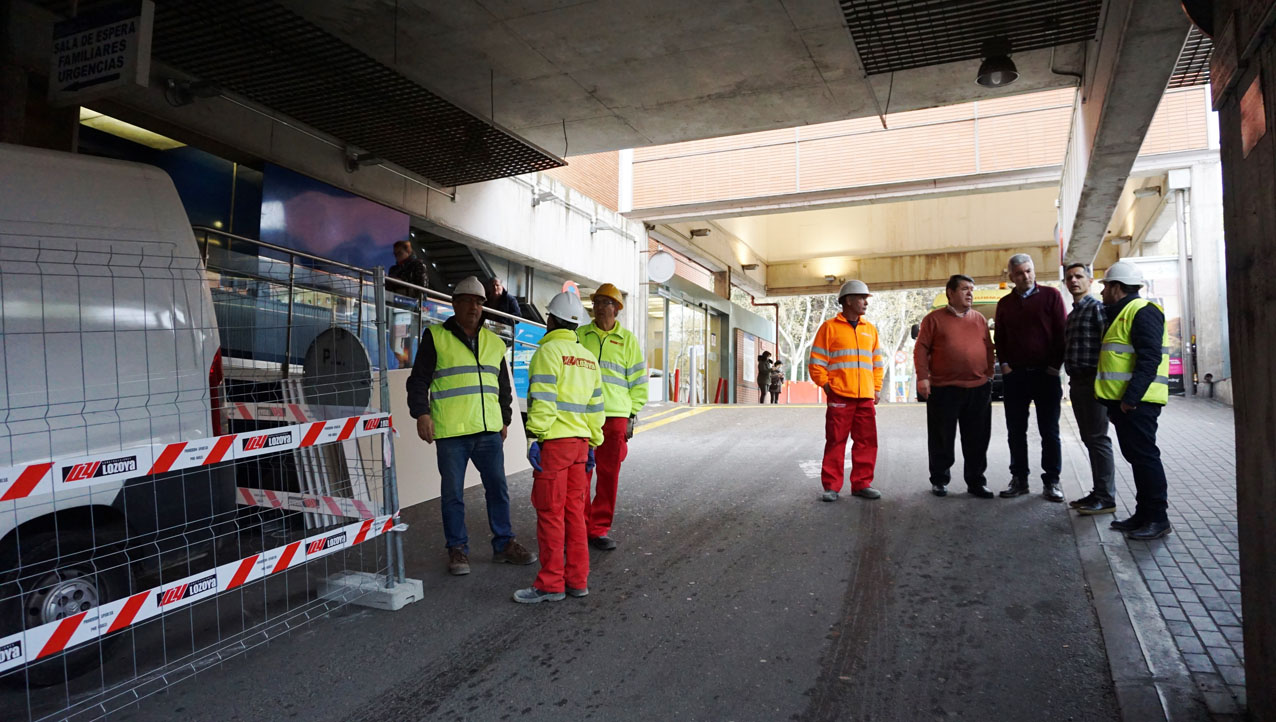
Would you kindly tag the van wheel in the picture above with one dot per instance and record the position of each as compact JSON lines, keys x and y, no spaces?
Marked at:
{"x":61,"y":575}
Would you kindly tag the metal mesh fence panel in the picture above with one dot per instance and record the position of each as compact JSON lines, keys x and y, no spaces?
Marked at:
{"x":191,"y":450}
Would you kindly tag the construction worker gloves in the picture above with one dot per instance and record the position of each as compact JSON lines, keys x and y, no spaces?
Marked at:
{"x":534,"y":456}
{"x":629,"y":428}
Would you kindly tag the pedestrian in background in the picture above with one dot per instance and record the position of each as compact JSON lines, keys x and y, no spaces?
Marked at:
{"x":407,"y":268}
{"x":460,"y":394}
{"x":847,"y":362}
{"x":565,"y":419}
{"x":1082,"y":336}
{"x":500,"y":299}
{"x":624,"y":372}
{"x":953,"y":359}
{"x":777,"y":381}
{"x":1133,"y":381}
{"x":1029,"y":341}
{"x":764,"y":375}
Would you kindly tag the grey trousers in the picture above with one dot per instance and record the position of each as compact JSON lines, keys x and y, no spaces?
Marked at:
{"x":1092,"y":421}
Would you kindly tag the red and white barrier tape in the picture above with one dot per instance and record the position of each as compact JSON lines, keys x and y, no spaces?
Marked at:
{"x":36,"y":643}
{"x":75,"y":473}
{"x":293,"y":501}
{"x":266,"y":412}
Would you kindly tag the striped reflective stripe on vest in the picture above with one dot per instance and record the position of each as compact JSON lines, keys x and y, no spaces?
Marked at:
{"x":1122,"y":376}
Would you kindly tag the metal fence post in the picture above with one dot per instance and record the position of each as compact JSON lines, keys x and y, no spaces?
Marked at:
{"x":394,"y":543}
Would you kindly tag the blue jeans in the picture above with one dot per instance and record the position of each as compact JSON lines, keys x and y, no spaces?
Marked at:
{"x":488,"y":454}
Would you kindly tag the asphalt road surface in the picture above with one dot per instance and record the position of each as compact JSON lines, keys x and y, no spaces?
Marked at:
{"x":735,"y":594}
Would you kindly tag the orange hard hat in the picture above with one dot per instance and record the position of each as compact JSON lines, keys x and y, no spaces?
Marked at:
{"x":611,"y":292}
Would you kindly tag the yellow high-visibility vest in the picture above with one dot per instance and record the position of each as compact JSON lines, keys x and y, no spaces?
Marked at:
{"x":1116,"y":359}
{"x":624,"y":370}
{"x":565,"y":393}
{"x":464,"y":393}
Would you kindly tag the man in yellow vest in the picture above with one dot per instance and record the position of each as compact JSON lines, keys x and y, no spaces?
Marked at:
{"x":460,"y":395}
{"x":565,"y":417}
{"x":624,"y":393}
{"x":1132,"y":380}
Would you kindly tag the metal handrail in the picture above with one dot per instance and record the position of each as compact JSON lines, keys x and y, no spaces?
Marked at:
{"x":437,"y":295}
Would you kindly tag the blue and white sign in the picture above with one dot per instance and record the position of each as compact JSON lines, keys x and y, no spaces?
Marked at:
{"x":526,"y":340}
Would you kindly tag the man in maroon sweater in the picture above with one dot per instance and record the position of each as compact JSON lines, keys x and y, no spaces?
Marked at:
{"x":953,"y":360}
{"x":1029,"y":338}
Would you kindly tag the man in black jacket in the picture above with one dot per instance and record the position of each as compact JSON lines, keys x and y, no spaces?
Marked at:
{"x":1132,"y":381}
{"x":460,"y":394}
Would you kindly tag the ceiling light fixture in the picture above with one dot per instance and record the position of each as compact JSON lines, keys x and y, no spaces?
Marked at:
{"x":830,"y":278}
{"x":539,"y":197}
{"x":749,"y":266}
{"x":1147,"y":192}
{"x":997,"y":70}
{"x":699,"y":232}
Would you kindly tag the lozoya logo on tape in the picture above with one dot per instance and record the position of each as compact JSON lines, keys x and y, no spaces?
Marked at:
{"x":95,"y":469}
{"x":11,"y":651}
{"x":327,"y":542}
{"x":374,"y":424}
{"x":185,"y":591}
{"x":265,"y":442}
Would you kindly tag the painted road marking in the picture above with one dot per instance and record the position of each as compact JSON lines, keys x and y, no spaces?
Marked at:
{"x":671,"y":419}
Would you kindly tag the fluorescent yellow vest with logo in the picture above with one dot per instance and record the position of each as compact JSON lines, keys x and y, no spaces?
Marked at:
{"x":464,"y":392}
{"x":1116,"y":360}
{"x":623,"y":368}
{"x":565,"y":391}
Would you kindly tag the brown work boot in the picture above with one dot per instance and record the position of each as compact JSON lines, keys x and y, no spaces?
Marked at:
{"x":458,"y":562}
{"x":514,"y":553}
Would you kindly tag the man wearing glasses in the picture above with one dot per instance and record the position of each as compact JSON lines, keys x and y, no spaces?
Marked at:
{"x":624,"y":372}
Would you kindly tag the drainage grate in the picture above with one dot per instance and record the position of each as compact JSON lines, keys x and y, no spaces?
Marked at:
{"x":1193,"y":66}
{"x":893,"y":35}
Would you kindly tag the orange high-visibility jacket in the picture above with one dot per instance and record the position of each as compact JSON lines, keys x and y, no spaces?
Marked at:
{"x":848,"y":358}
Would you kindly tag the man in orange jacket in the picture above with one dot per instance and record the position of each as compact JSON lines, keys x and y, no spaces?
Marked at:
{"x":847,"y":362}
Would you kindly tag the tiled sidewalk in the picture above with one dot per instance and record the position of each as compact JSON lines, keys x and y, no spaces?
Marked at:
{"x":1194,"y":574}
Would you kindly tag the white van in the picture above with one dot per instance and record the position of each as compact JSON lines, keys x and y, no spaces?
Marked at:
{"x":108,"y":342}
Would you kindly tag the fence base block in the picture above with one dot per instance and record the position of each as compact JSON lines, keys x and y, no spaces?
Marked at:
{"x":369,"y":590}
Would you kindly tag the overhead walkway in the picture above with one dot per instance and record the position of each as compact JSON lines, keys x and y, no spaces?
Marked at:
{"x":736,"y":594}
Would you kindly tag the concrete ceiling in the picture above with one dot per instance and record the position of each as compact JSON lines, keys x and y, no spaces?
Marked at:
{"x":622,"y":74}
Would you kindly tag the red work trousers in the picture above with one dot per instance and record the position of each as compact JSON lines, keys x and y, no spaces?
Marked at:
{"x":560,"y":492}
{"x":858,"y":419}
{"x":608,"y":457}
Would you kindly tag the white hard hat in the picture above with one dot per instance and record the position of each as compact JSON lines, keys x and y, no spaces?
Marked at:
{"x":566,"y":306}
{"x":471,"y":286}
{"x":1124,"y":272}
{"x":853,"y":287}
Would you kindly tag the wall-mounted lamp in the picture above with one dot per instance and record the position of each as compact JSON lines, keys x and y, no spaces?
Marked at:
{"x":1147,"y":192}
{"x":597,"y":225}
{"x":539,"y":197}
{"x":1120,"y":240}
{"x":830,"y":278}
{"x":997,"y":70}
{"x":749,"y":266}
{"x":699,"y":232}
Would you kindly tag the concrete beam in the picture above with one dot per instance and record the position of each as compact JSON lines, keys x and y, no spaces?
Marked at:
{"x":1139,"y":42}
{"x":1043,"y":177}
{"x":893,"y":271}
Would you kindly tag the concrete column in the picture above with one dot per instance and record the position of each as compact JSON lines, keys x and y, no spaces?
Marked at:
{"x":1249,"y":175}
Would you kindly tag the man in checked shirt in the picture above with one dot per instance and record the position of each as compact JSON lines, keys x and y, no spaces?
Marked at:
{"x":1082,"y":336}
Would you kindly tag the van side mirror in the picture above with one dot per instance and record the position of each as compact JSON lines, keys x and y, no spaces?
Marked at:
{"x":916,"y":329}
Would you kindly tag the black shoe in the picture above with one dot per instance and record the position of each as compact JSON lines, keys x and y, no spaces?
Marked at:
{"x":1095,"y":505}
{"x":1018,"y":487}
{"x":1078,"y":503}
{"x":1149,"y":531}
{"x":1052,"y":492}
{"x":982,"y":492}
{"x":939,"y":489}
{"x":1127,"y":524}
{"x":605,"y":543}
